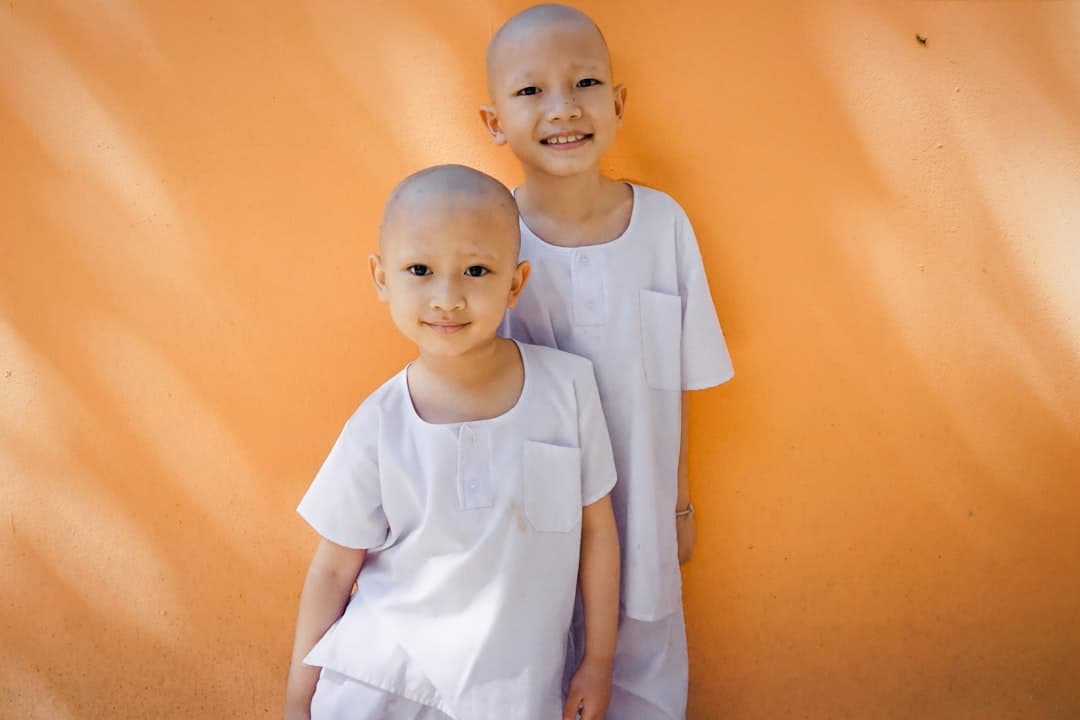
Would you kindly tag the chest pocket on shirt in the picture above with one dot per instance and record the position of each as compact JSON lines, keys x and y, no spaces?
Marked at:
{"x":552,"y":494}
{"x":661,"y":339}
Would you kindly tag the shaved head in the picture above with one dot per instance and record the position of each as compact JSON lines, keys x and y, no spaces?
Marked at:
{"x":448,"y":262}
{"x":448,"y":188}
{"x":530,"y":21}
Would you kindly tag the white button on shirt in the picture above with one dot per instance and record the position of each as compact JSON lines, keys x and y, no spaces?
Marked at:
{"x":588,"y":289}
{"x":473,"y":533}
{"x":639,"y":307}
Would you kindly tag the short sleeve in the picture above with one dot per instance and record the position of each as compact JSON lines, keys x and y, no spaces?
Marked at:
{"x":597,"y":460}
{"x":705,"y":358}
{"x":344,"y":502}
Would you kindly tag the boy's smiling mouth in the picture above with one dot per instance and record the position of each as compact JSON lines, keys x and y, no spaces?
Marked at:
{"x":444,"y":326}
{"x":566,"y":139}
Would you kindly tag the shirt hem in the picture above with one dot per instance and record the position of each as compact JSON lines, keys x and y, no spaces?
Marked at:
{"x":436,"y":704}
{"x":656,"y":616}
{"x":593,"y":499}
{"x":712,"y":382}
{"x":350,"y":543}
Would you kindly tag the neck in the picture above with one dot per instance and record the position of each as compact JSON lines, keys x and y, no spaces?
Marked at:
{"x":570,"y":199}
{"x":474,"y":368}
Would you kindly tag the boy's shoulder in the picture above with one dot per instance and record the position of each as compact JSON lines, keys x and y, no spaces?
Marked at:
{"x":657,"y":213}
{"x":560,"y":363}
{"x":388,"y":397}
{"x":656,"y":201}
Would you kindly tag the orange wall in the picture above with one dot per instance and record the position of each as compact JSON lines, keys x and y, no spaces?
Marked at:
{"x":888,"y":495}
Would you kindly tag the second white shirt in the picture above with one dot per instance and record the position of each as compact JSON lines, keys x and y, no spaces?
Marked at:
{"x":639,"y":307}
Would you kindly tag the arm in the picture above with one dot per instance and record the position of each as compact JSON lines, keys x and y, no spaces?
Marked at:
{"x":329,"y":583}
{"x":590,"y":688}
{"x":685,"y":529}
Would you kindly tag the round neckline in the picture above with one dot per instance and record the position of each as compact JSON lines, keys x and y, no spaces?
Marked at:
{"x":635,"y":202}
{"x":525,"y":385}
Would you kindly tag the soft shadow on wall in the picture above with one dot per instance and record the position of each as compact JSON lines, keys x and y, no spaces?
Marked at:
{"x":186,"y":324}
{"x":884,"y":488}
{"x":899,"y":440}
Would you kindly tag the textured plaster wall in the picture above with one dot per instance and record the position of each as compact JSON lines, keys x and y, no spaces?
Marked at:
{"x":889,"y":507}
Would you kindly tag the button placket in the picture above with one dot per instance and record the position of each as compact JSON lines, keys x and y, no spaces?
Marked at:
{"x":474,"y":469}
{"x":587,"y":278}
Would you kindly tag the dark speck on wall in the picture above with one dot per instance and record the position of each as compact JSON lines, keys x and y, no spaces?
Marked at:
{"x":921,"y":39}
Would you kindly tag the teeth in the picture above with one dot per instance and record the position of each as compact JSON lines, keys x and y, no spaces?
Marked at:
{"x":563,"y":139}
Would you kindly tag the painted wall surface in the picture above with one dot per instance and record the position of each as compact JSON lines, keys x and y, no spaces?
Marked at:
{"x":888,"y":493}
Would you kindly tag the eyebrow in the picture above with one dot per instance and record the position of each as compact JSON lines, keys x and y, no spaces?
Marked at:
{"x":483,"y":257}
{"x":525,"y":77}
{"x":409,"y":257}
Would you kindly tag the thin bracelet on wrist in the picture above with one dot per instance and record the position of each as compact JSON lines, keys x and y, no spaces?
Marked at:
{"x":688,"y":511}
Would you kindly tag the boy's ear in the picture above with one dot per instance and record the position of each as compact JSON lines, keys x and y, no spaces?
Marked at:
{"x":491,"y":122}
{"x":378,"y":275}
{"x":620,"y":102}
{"x":517,"y":284}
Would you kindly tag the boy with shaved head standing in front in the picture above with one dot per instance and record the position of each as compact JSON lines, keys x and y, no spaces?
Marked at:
{"x":617,"y":277}
{"x":460,"y":496}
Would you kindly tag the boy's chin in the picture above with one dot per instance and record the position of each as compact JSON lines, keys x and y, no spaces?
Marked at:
{"x":567,"y":168}
{"x":451,"y":349}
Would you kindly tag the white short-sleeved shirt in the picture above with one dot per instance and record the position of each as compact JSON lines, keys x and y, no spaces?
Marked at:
{"x":473,"y":533}
{"x":639,"y":307}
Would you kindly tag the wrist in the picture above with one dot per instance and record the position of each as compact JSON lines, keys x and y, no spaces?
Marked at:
{"x":684,"y":511}
{"x":602,"y":661}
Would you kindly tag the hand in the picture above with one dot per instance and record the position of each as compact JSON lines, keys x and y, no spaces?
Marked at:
{"x":590,"y":692}
{"x":685,"y":535}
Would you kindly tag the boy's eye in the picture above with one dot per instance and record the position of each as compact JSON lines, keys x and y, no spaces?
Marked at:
{"x":476,"y":271}
{"x":419,"y":270}
{"x":530,"y":90}
{"x":588,"y":82}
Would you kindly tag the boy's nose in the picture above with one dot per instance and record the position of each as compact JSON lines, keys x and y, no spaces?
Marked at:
{"x":564,"y":106}
{"x":447,"y":296}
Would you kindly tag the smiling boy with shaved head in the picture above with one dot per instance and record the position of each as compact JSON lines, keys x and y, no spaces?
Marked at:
{"x":617,"y":277}
{"x":465,"y":498}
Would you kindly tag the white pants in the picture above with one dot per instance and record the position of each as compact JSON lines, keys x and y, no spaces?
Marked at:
{"x":339,"y":697}
{"x":651,"y":676}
